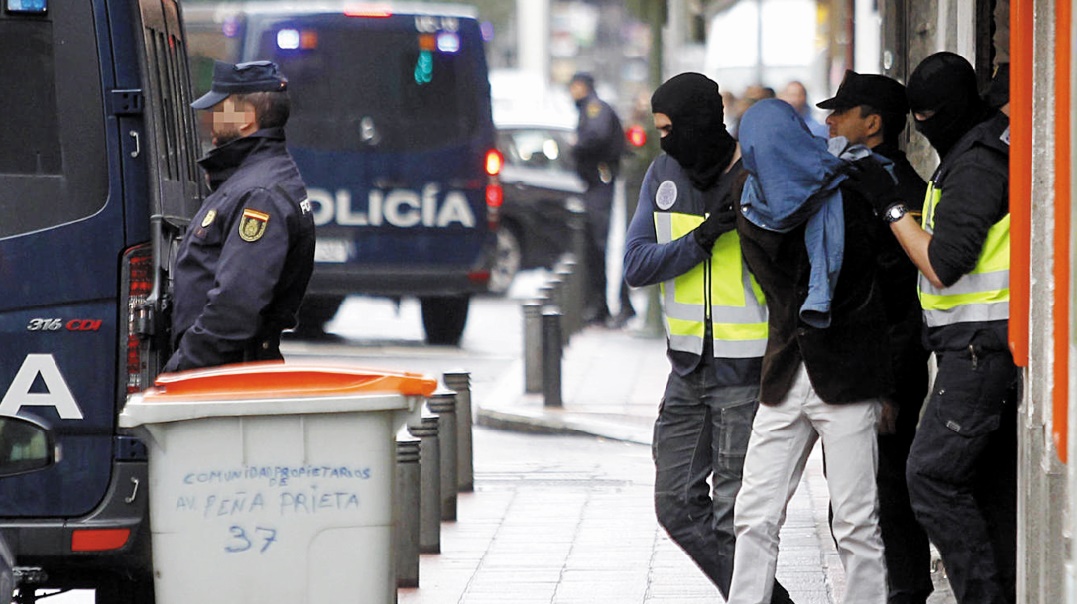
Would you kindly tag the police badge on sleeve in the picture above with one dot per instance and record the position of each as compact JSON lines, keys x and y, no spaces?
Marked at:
{"x":252,"y":225}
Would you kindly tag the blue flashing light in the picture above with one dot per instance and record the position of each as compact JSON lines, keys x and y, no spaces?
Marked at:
{"x":27,"y":6}
{"x":448,"y":42}
{"x":288,"y":39}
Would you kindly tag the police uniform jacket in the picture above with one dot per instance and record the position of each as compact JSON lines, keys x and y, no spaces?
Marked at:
{"x":245,"y":261}
{"x":599,"y":141}
{"x":974,"y":180}
{"x":649,"y":262}
{"x":847,"y":362}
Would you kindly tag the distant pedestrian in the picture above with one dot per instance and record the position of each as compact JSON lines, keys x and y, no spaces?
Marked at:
{"x":682,"y":236}
{"x":248,"y":254}
{"x":810,"y":242}
{"x":872,"y":110}
{"x":962,"y":469}
{"x":796,"y":95}
{"x":600,"y":142}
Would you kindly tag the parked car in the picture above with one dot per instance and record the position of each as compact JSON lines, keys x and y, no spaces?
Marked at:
{"x":541,"y":194}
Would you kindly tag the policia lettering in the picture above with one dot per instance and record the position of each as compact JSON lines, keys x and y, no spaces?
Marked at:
{"x":720,"y":286}
{"x":983,"y":294}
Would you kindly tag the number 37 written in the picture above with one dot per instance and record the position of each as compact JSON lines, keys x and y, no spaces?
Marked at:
{"x":241,"y":540}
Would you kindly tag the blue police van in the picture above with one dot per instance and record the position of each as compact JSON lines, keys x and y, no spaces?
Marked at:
{"x":97,"y":182}
{"x":391,"y":128}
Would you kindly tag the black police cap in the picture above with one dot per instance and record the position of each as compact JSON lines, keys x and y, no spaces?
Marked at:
{"x":884,"y":94}
{"x":229,"y":79}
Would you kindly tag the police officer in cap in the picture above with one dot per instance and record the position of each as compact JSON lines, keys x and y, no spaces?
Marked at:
{"x":872,"y":110}
{"x":245,"y":261}
{"x":599,"y":145}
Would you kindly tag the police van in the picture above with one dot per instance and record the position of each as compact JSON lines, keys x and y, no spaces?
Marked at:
{"x":391,"y":128}
{"x":97,"y":181}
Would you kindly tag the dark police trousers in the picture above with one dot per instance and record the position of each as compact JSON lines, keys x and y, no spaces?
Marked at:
{"x":962,"y":473}
{"x":598,"y":199}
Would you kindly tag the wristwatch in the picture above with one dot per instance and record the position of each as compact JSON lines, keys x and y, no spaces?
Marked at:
{"x":895,"y":212}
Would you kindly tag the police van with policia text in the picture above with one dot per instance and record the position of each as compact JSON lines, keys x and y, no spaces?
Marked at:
{"x":97,"y":181}
{"x":392,"y":130}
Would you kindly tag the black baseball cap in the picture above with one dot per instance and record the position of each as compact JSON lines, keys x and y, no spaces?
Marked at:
{"x":229,"y":79}
{"x":883,"y":93}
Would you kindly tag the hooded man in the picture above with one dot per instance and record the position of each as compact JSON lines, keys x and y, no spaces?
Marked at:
{"x":809,"y":241}
{"x":682,"y":236}
{"x":962,"y":469}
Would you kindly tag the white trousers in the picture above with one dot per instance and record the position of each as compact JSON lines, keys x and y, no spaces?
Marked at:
{"x":782,"y":438}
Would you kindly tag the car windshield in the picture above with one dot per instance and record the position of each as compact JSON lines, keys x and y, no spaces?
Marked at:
{"x":536,"y":148}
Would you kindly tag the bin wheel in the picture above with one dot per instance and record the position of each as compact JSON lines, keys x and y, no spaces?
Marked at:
{"x":444,"y":318}
{"x":125,"y":591}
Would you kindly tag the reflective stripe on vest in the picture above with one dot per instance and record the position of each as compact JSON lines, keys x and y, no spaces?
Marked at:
{"x":738,"y":312}
{"x":981,"y":295}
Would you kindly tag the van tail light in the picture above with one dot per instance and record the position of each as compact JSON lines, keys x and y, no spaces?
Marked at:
{"x":495,"y":194}
{"x":99,"y":540}
{"x":137,"y":285}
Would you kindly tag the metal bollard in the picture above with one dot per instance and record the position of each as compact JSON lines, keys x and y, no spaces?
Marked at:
{"x":580,"y":251}
{"x":551,"y":358}
{"x":460,"y":382}
{"x":443,"y":402}
{"x":570,"y":301}
{"x":430,"y":484}
{"x":406,"y":509}
{"x":533,"y":346}
{"x":557,"y":300}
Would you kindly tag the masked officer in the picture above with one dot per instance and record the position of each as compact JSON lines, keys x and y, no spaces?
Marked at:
{"x":872,"y":110}
{"x":682,"y":236}
{"x":600,"y":141}
{"x":962,"y":466}
{"x":245,"y":261}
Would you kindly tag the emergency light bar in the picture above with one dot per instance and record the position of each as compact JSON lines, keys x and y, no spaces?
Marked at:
{"x":28,"y":6}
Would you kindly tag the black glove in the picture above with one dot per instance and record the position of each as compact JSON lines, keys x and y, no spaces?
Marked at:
{"x":874,"y":183}
{"x":716,"y":225}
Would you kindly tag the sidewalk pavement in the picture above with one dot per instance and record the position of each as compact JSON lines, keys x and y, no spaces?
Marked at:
{"x":612,"y":381}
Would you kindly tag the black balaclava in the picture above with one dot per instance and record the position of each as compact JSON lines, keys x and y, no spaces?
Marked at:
{"x":946,"y":84}
{"x":698,"y":139}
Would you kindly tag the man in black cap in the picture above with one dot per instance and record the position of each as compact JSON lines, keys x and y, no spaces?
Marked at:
{"x":248,"y":253}
{"x":962,"y":469}
{"x":683,"y":237}
{"x":600,"y":141}
{"x":872,"y":110}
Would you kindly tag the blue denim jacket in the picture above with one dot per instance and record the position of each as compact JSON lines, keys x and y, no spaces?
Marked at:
{"x":793,"y":180}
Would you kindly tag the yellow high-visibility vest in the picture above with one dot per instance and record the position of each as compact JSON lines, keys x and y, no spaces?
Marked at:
{"x":981,"y":295}
{"x":722,"y":284}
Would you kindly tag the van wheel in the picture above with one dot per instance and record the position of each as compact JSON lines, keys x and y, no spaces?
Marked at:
{"x":506,"y":261}
{"x":444,"y":318}
{"x":314,"y":313}
{"x":125,"y":591}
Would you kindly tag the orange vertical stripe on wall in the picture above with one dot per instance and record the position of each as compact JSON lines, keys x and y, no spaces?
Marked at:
{"x":1062,"y":274}
{"x":1021,"y":33}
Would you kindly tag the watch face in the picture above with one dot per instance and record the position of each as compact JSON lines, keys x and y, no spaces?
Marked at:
{"x":895,"y":213}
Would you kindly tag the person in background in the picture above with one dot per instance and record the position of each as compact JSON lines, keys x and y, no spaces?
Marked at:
{"x":247,"y":256}
{"x":871,"y":110}
{"x":810,"y":243}
{"x":962,"y":469}
{"x":682,"y":236}
{"x":796,"y":95}
{"x":600,"y":142}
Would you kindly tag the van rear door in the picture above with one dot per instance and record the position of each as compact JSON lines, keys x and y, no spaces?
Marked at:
{"x":77,"y":156}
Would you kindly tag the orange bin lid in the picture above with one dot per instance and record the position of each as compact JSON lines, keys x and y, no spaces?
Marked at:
{"x":275,"y":379}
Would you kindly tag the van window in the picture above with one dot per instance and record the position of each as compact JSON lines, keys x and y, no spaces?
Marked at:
{"x":52,"y":151}
{"x":356,"y":88}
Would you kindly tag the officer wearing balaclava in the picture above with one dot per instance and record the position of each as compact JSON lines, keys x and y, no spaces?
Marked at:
{"x":962,"y":467}
{"x":683,"y":237}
